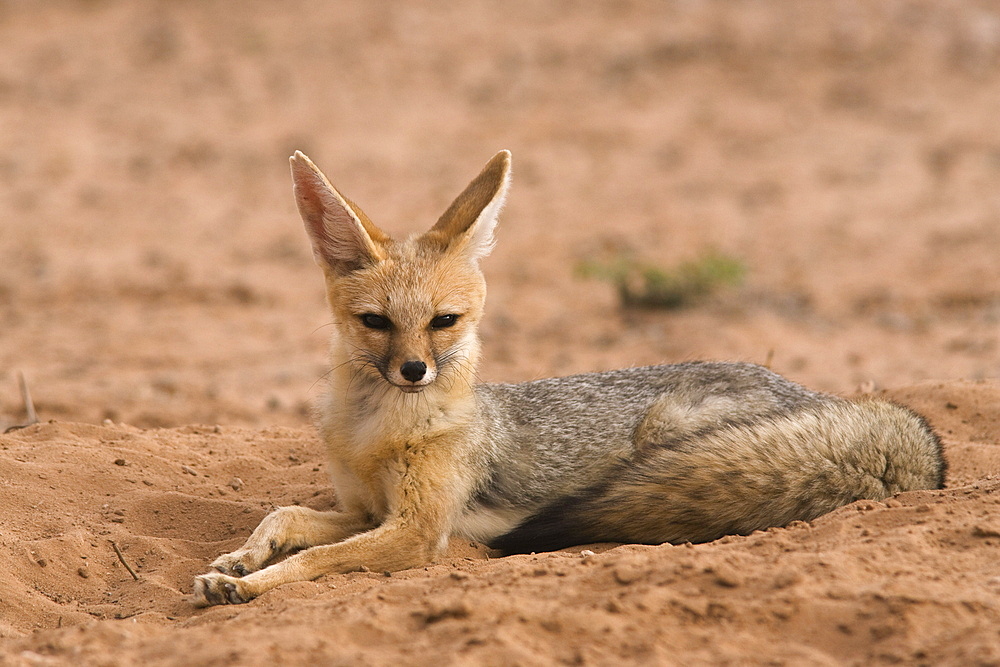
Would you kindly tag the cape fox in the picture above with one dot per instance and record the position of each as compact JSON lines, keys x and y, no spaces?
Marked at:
{"x":418,"y":452}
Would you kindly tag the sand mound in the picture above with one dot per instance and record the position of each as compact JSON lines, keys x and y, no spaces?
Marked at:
{"x":913,"y":579}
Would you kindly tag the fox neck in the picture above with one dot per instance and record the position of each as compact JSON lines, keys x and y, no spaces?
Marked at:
{"x":370,"y":410}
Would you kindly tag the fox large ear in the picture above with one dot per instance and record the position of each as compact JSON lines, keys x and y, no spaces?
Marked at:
{"x":469,"y":222}
{"x":343,"y":238}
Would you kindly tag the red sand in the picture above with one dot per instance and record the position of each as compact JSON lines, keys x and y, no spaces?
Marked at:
{"x":153,"y":272}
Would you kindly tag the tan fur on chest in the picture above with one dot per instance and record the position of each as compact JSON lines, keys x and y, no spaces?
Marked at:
{"x":370,"y":447}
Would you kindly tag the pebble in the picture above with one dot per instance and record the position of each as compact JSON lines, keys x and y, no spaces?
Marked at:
{"x":727,"y":577}
{"x":986,"y":530}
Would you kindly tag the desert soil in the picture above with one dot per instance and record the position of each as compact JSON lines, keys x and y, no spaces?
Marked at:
{"x":158,"y":293}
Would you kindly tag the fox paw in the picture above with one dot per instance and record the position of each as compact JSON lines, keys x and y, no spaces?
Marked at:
{"x":215,"y":588}
{"x":238,"y":563}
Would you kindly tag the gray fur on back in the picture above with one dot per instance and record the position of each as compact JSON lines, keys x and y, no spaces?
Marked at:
{"x":551,"y":437}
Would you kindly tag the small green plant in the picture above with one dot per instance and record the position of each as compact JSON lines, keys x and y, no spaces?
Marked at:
{"x":649,"y":286}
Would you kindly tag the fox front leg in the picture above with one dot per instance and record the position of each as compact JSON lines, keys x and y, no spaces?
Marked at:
{"x":415,"y":531}
{"x":396,"y":545}
{"x":287,"y":529}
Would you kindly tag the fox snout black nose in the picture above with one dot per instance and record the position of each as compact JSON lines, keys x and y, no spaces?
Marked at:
{"x":413,"y":371}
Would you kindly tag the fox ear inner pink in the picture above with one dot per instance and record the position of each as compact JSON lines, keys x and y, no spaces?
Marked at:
{"x":335,"y":226}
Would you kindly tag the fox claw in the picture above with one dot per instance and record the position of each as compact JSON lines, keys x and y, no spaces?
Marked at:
{"x":216,"y":588}
{"x":234,"y":568}
{"x":234,"y":564}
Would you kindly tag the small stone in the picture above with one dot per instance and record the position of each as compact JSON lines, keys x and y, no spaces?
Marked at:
{"x":235,"y":484}
{"x":188,"y":470}
{"x":986,"y":530}
{"x":439,"y":610}
{"x":625,"y":575}
{"x":727,"y":577}
{"x":121,"y":462}
{"x":786,"y":578}
{"x":82,"y":571}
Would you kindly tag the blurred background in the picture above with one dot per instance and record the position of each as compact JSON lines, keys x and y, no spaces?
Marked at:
{"x":840,"y":158}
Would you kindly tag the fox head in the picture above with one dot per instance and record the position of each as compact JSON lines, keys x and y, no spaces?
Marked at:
{"x":406,"y":311}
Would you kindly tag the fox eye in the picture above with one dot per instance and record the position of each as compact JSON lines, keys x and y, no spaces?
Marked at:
{"x":444,"y":321}
{"x":373,"y":321}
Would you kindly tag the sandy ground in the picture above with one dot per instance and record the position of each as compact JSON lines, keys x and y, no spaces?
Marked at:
{"x":158,"y":293}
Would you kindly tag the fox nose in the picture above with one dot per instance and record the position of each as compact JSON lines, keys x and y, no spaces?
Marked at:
{"x":413,"y":371}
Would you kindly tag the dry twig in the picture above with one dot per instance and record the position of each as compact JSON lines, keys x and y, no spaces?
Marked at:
{"x":121,"y":557}
{"x":29,"y":405}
